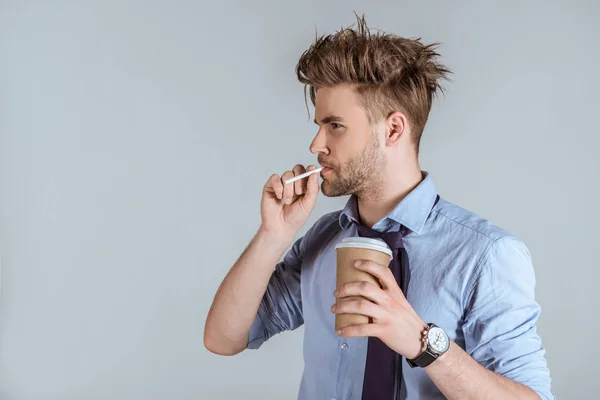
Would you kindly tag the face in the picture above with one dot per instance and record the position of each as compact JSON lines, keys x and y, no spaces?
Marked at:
{"x":347,"y":144}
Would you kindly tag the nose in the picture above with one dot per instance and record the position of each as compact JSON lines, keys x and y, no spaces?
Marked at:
{"x":319,"y":143}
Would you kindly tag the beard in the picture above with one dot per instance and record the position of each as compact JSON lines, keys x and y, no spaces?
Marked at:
{"x":361,"y":175}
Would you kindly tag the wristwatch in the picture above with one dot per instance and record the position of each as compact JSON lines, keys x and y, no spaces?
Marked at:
{"x":437,"y":344}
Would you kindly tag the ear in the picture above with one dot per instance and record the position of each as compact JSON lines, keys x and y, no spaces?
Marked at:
{"x":396,"y":125}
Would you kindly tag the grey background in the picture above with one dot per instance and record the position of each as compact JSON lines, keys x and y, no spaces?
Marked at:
{"x":135,"y":138}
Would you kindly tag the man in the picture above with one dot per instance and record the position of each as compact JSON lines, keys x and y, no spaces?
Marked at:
{"x":460,"y":315}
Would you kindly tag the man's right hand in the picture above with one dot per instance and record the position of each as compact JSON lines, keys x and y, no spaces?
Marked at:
{"x":285,"y":208}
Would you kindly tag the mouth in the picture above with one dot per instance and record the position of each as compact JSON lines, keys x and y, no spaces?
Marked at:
{"x":326,"y":170}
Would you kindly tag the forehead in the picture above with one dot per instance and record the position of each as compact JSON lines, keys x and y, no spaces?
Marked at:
{"x":339,"y":100}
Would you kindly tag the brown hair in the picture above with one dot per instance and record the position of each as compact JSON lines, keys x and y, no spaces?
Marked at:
{"x":391,"y":73}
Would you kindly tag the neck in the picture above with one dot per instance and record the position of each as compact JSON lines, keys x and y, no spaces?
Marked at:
{"x":396,"y":185}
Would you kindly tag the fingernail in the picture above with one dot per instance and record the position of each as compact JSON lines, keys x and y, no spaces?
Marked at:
{"x":339,"y":331}
{"x":357,"y":263}
{"x":333,"y":307}
{"x":335,"y":292}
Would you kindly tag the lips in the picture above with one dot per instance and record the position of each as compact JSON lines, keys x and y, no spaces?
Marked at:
{"x":326,"y":170}
{"x":326,"y":167}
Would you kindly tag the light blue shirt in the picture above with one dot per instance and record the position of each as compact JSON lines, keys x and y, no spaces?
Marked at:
{"x":467,"y":276}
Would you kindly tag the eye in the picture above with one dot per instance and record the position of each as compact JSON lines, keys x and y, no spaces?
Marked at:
{"x":335,"y":126}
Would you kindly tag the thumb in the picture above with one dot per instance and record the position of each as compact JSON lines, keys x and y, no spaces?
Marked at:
{"x":312,"y":189}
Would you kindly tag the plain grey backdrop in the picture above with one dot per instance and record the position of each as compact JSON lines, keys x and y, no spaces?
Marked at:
{"x":135,"y":138}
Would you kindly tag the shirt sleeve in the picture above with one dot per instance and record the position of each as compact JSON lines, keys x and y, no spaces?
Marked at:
{"x":500,"y":321}
{"x":281,"y":306}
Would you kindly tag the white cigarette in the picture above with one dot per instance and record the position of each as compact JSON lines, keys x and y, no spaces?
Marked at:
{"x":304,"y":175}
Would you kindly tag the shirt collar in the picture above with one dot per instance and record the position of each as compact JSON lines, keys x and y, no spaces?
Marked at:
{"x":412,"y":211}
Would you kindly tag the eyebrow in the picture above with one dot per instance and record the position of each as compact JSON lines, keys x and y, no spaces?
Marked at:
{"x":330,"y":118}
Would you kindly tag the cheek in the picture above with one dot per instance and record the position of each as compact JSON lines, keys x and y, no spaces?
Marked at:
{"x":350,"y":150}
{"x":348,"y":145}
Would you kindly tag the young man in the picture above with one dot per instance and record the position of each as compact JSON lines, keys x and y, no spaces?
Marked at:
{"x":454,"y":315}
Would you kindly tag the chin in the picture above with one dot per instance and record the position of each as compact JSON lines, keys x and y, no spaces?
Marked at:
{"x":329,"y":190}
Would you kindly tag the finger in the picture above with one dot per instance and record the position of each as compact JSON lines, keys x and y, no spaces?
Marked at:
{"x":362,"y":307}
{"x":366,"y":289}
{"x":312,"y":188}
{"x":384,"y":274}
{"x":305,"y":181}
{"x":298,"y":185}
{"x":288,"y":190}
{"x":361,"y":330}
{"x":275,"y":185}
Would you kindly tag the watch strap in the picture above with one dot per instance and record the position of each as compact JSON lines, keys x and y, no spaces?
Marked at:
{"x":426,"y":357}
{"x":423,"y":360}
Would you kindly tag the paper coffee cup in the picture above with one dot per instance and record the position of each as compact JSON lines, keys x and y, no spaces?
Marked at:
{"x":347,"y":252}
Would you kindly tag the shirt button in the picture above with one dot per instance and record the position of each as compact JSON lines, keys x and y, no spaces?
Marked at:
{"x":344,"y":347}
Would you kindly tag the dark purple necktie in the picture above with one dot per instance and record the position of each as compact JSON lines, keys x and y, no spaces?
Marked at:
{"x":384,"y":368}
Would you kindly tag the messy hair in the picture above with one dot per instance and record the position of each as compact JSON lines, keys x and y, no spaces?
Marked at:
{"x":391,"y":73}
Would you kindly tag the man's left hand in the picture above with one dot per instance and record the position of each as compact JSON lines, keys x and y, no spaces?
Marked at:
{"x":394,"y":320}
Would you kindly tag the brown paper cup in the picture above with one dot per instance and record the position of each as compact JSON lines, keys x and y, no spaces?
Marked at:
{"x":347,"y":252}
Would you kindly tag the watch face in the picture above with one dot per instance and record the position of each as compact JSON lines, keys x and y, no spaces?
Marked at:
{"x":438,"y":340}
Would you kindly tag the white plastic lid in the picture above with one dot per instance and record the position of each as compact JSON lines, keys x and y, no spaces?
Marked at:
{"x":365,"y":243}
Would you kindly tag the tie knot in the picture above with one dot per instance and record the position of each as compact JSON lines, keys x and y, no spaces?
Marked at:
{"x":393,"y":239}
